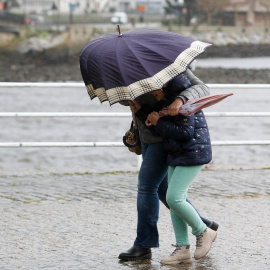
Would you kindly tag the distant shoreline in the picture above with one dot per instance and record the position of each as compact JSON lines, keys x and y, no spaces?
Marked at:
{"x":62,"y":65}
{"x":71,"y":72}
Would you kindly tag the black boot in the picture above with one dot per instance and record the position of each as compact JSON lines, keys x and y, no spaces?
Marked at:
{"x":213,"y":226}
{"x":136,"y":253}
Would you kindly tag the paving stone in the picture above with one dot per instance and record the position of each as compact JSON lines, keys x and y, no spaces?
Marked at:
{"x":83,"y":221}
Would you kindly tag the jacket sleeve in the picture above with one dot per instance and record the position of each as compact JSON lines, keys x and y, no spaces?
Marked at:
{"x":196,"y":90}
{"x":182,"y":129}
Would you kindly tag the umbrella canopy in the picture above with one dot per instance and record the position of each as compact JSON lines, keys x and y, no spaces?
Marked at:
{"x":194,"y":105}
{"x":117,"y":67}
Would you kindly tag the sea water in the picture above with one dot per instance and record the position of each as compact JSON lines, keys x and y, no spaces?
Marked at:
{"x":84,"y":129}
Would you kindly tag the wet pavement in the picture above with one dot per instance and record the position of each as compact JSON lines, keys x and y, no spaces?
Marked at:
{"x":52,"y":219}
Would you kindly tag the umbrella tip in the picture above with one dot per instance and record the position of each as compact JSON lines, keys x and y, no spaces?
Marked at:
{"x":119,"y":30}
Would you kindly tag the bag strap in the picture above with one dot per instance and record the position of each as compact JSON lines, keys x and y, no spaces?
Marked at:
{"x":136,"y":133}
{"x":135,"y":120}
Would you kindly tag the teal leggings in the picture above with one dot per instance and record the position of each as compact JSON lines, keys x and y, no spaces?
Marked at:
{"x":182,"y":213}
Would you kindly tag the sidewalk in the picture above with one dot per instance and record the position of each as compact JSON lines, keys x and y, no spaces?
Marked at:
{"x":80,"y":221}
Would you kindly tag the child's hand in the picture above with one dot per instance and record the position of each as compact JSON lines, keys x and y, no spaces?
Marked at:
{"x":153,"y":118}
{"x":173,"y":109}
{"x":134,"y":106}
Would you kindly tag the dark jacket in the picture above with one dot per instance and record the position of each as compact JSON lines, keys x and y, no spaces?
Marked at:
{"x":196,"y":90}
{"x":186,"y":139}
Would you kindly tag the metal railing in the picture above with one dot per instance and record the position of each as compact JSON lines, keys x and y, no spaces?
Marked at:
{"x":77,"y":84}
{"x":118,"y":114}
{"x":113,"y":144}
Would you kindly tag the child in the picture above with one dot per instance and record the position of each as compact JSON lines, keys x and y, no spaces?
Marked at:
{"x":187,"y":142}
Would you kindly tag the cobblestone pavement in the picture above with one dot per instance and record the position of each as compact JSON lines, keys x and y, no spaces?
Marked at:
{"x":52,"y":220}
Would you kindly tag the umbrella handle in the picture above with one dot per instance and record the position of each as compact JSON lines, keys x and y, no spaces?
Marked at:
{"x":136,"y":142}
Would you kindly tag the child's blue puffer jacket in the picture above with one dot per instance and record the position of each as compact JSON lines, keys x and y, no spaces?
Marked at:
{"x":186,"y":139}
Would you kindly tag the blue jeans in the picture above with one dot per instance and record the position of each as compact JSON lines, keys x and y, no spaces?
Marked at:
{"x":152,"y":187}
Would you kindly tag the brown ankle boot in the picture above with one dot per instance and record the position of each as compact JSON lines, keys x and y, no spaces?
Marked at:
{"x":204,"y":243}
{"x":180,"y":255}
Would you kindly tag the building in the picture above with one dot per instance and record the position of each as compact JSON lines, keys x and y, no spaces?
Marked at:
{"x":250,"y":12}
{"x":88,"y":6}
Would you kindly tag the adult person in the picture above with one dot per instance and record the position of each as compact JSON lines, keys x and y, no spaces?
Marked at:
{"x":152,"y":180}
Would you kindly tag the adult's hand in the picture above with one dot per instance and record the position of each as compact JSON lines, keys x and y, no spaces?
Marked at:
{"x":153,"y":118}
{"x":134,"y":106}
{"x":173,"y":109}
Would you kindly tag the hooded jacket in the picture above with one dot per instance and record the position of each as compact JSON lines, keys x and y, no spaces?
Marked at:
{"x":186,"y":138}
{"x":196,"y":90}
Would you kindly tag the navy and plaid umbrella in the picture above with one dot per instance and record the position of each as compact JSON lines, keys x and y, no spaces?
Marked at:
{"x":117,"y":67}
